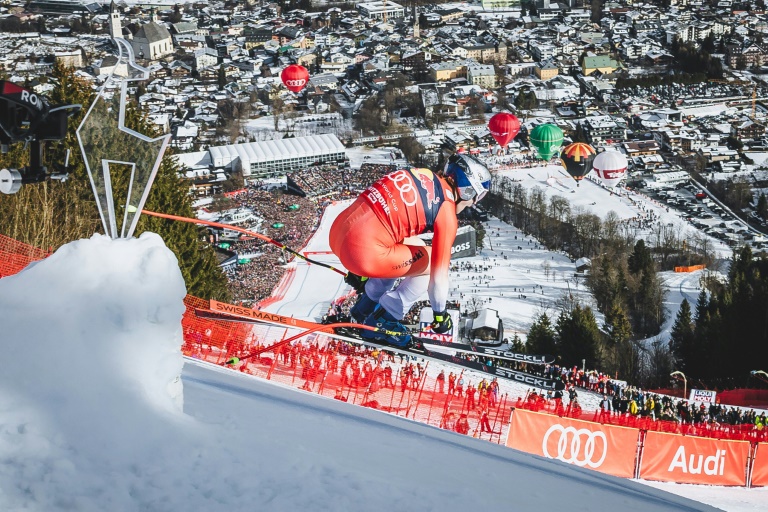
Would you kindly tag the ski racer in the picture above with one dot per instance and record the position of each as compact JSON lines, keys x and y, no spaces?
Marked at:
{"x":376,"y":237}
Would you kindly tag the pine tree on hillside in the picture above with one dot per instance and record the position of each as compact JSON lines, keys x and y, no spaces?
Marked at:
{"x":197,"y":259}
{"x":578,"y":337}
{"x":622,"y":354}
{"x":170,"y":194}
{"x":682,"y":341}
{"x":617,"y":324}
{"x":541,"y":336}
{"x":640,"y":259}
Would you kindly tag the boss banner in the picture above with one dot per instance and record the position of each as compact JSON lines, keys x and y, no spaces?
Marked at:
{"x":465,"y":244}
{"x":694,"y":460}
{"x":605,"y":448}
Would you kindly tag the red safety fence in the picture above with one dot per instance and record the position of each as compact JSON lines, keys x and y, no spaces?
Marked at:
{"x":745,"y":397}
{"x":690,"y":268}
{"x":15,"y":255}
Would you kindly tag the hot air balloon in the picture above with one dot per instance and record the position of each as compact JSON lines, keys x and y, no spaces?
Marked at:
{"x":577,"y":159}
{"x":504,"y":127}
{"x":295,"y":77}
{"x":610,"y":167}
{"x":547,"y":139}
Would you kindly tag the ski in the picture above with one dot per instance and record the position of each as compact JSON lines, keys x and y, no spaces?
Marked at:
{"x":489,"y":352}
{"x":260,"y":317}
{"x":221,"y":308}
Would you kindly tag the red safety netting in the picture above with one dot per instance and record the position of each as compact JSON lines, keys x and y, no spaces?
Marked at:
{"x":745,"y":397}
{"x":14,"y":255}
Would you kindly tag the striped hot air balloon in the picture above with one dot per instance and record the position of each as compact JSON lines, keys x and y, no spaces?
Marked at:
{"x":577,"y":159}
{"x":547,"y":139}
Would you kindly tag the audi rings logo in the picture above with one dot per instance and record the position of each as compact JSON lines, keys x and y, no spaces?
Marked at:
{"x":296,"y":83}
{"x":576,"y":446}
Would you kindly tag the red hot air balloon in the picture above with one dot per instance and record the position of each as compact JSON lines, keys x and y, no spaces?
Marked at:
{"x":504,"y":127}
{"x":295,"y":77}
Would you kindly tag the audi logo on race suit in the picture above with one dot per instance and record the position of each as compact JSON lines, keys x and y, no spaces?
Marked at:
{"x":403,"y":183}
{"x":581,"y":447}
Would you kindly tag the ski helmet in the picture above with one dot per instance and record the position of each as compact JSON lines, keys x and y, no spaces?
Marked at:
{"x":471,"y":177}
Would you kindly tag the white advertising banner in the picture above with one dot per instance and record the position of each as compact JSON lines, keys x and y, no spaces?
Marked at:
{"x":701,"y":395}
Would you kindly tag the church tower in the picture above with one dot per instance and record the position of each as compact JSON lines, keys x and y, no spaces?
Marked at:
{"x":416,"y":34}
{"x":115,"y":24}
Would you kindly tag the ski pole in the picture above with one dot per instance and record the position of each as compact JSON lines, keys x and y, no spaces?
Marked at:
{"x":245,"y":232}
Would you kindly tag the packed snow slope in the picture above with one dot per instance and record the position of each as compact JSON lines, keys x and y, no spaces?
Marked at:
{"x":91,"y":417}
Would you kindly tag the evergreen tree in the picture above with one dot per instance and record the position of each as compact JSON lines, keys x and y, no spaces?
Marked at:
{"x":617,"y":325}
{"x":682,"y":342}
{"x":762,"y":206}
{"x":221,"y":77}
{"x":578,"y":336}
{"x":197,"y":259}
{"x":517,"y":344}
{"x":640,"y":259}
{"x":541,"y":336}
{"x":624,"y":358}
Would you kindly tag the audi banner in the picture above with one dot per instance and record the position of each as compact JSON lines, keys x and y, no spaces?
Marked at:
{"x":604,"y":448}
{"x":694,"y":460}
{"x":760,"y":466}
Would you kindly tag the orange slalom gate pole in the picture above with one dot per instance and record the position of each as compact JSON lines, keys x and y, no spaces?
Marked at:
{"x":245,"y":232}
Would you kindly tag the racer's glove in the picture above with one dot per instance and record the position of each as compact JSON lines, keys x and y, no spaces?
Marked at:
{"x":356,"y":282}
{"x":442,"y":322}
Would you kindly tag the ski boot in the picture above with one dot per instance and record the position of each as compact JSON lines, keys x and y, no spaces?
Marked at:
{"x":396,"y":335}
{"x":362,"y":308}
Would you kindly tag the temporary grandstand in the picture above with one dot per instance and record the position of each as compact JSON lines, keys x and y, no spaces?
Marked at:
{"x":273,"y":158}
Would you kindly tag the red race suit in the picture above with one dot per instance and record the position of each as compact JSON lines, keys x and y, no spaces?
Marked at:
{"x":368,"y":236}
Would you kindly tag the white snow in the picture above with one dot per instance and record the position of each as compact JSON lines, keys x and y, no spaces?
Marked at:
{"x":91,"y":420}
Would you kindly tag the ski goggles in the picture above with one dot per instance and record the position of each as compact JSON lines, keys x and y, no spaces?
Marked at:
{"x":468,"y":193}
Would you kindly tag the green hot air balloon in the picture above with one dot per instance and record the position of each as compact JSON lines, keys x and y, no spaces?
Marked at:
{"x":547,"y":139}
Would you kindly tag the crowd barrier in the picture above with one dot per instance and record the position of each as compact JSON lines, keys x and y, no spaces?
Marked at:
{"x":14,"y":255}
{"x":636,"y":453}
{"x":408,"y":387}
{"x":690,"y":268}
{"x":745,"y":397}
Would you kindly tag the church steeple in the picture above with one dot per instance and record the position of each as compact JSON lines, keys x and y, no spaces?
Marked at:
{"x":115,"y":23}
{"x":416,"y":33}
